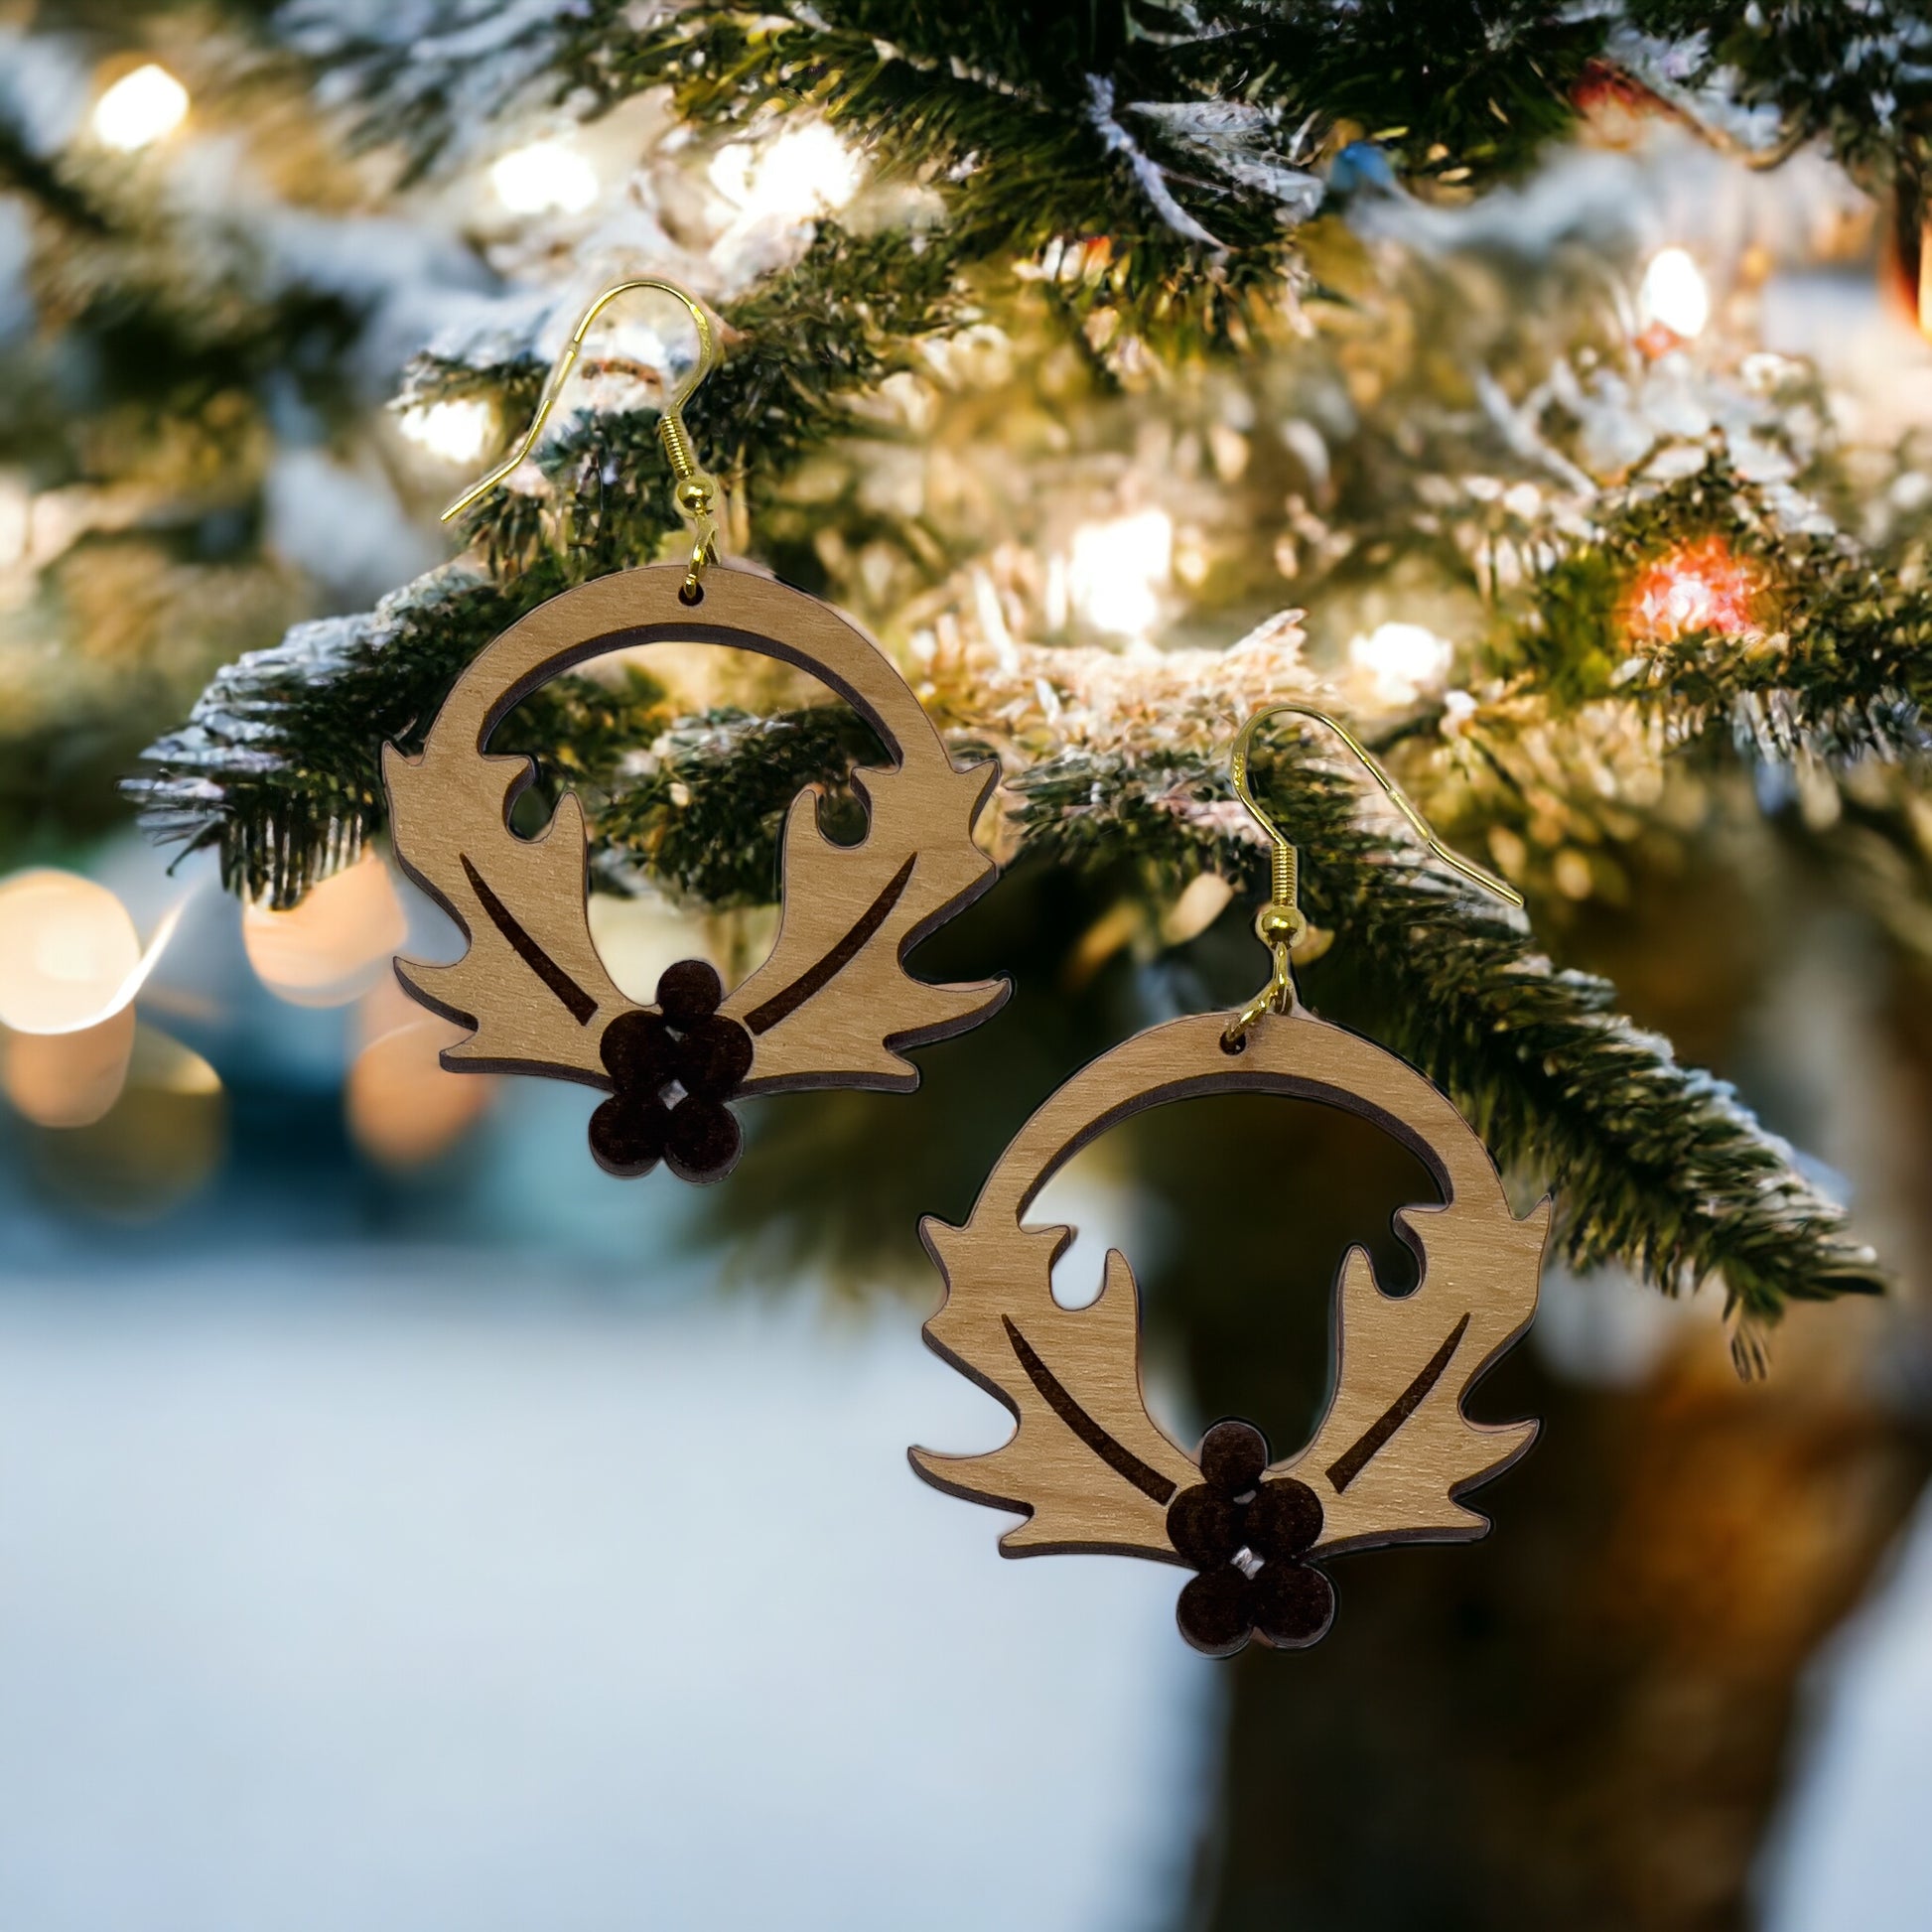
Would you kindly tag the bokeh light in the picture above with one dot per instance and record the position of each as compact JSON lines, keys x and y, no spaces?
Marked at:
{"x":1674,"y":294}
{"x":1696,"y":587}
{"x":455,"y":432}
{"x":70,"y":955}
{"x":543,"y":178}
{"x":1117,"y":570}
{"x":1405,"y":661}
{"x":807,"y":171}
{"x":16,"y":518}
{"x":69,"y":1080}
{"x":335,"y":944}
{"x":402,"y":1106}
{"x":140,"y":108}
{"x":160,"y":1141}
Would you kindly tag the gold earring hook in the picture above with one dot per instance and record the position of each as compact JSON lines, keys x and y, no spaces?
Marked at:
{"x":1281,"y":922}
{"x":695,"y":490}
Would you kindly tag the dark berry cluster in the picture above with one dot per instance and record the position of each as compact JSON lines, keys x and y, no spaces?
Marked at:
{"x":687,"y":1045}
{"x":1247,"y":1537}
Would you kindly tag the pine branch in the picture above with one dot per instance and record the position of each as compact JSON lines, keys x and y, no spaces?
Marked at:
{"x":1656,"y":1165}
{"x":278,"y":764}
{"x":1189,"y":136}
{"x":1841,"y":667}
{"x":27,"y":172}
{"x":434,"y":77}
{"x":1761,"y":81}
{"x":1450,"y":95}
{"x":1022,"y":140}
{"x":702,"y":812}
{"x":800,"y":347}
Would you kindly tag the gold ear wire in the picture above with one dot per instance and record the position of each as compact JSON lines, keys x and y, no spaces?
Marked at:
{"x":1281,"y":922}
{"x":696,"y":491}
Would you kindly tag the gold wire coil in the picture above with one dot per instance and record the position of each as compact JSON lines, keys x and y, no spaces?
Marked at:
{"x":1286,"y":867}
{"x":677,"y":446}
{"x":1281,"y":922}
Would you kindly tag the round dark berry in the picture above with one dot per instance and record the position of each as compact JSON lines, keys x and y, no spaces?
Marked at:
{"x":704,"y":1142}
{"x":713,"y":1058}
{"x":1213,"y":1611}
{"x":689,"y":991}
{"x":1285,"y":1517}
{"x":1203,"y":1527}
{"x":638,"y":1050}
{"x":628,"y":1134}
{"x":1232,"y":1458}
{"x":1292,"y":1605}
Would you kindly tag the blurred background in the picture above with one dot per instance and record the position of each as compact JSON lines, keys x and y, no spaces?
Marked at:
{"x":404,"y":1524}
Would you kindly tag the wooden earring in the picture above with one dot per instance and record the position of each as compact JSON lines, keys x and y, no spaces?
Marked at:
{"x":1394,"y":1455}
{"x":832,"y":1007}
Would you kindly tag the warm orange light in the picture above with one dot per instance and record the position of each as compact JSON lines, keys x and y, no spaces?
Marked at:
{"x":403,"y":1109}
{"x":1697,"y":587}
{"x":163,"y":1136}
{"x":69,"y":1080}
{"x":335,"y":944}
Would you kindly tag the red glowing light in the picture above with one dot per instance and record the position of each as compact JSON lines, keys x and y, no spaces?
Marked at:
{"x":1700,"y":586}
{"x":1658,"y":339}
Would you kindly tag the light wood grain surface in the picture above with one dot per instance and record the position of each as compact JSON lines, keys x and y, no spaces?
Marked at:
{"x":833,"y":1005}
{"x":1393,"y":1453}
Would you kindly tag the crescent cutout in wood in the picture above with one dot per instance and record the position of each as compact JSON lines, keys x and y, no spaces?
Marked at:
{"x":833,"y":1005}
{"x":1393,"y":1457}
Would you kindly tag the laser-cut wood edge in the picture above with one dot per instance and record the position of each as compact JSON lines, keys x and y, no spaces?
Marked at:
{"x":1379,"y":1482}
{"x":514,"y":899}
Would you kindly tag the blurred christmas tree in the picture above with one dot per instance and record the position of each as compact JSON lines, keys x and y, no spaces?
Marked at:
{"x":1421,"y":350}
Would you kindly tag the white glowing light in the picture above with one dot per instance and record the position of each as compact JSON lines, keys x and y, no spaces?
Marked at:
{"x":70,"y":957}
{"x":139,"y":108}
{"x":1118,"y":568}
{"x":1673,"y":293}
{"x":17,"y":521}
{"x":1405,"y":659}
{"x":545,"y":176}
{"x":807,"y":171}
{"x":457,"y":431}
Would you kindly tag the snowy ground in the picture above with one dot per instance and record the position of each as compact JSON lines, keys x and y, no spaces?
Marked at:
{"x":405,"y":1599}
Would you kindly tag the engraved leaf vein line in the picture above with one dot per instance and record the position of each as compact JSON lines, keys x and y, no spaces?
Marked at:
{"x":1118,"y":1457}
{"x":782,"y":1004}
{"x":1353,"y":1461}
{"x":579,"y":1003}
